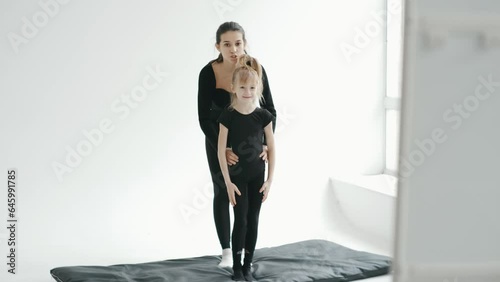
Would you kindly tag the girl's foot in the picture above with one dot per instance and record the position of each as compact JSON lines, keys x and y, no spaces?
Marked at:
{"x":238,"y":275}
{"x":227,"y":258}
{"x":247,"y":273}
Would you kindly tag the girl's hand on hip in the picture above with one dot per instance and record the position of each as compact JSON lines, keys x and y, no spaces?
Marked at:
{"x":263,"y":155}
{"x":231,"y":189}
{"x":231,"y":157}
{"x":265,"y":190}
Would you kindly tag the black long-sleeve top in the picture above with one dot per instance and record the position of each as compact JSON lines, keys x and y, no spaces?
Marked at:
{"x":212,"y":101}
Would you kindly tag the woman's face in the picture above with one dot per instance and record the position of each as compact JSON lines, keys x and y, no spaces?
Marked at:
{"x":231,"y":46}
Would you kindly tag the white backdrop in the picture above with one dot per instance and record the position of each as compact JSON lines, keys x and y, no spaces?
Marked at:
{"x":99,"y":117}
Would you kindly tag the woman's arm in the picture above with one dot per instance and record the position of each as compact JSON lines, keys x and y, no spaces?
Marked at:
{"x":221,"y":153}
{"x":206,"y":84}
{"x":271,"y":156}
{"x":268,"y":103}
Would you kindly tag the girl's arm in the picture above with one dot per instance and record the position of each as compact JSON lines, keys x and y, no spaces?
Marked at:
{"x":271,"y":156}
{"x":221,"y":153}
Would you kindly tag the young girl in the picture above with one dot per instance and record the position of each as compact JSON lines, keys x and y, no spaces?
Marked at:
{"x":246,"y":124}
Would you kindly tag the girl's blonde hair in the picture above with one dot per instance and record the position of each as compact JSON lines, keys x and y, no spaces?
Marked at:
{"x":247,"y":68}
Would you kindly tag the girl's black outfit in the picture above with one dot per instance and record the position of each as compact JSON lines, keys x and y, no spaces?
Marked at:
{"x":211,"y":102}
{"x":246,"y":132}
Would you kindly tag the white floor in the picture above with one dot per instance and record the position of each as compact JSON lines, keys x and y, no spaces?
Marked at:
{"x":38,"y":271}
{"x":38,"y":263}
{"x":384,"y":278}
{"x":47,"y":278}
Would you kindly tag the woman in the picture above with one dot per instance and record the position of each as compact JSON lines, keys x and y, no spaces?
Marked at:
{"x":214,"y":88}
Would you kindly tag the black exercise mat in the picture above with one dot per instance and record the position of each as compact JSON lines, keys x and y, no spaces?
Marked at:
{"x":312,"y":260}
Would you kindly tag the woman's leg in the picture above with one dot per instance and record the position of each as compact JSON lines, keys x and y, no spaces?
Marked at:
{"x":221,"y":200}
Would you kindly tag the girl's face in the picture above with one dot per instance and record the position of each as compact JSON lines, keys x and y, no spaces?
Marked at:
{"x":246,"y":92}
{"x":231,"y":46}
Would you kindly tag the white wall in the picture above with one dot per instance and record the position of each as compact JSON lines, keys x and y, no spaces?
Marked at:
{"x":361,"y":214}
{"x":122,"y":202}
{"x":448,"y":227}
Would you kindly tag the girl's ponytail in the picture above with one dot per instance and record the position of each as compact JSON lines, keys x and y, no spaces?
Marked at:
{"x":247,"y":60}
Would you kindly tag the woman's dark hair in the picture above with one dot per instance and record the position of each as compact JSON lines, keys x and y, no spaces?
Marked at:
{"x":225,"y":27}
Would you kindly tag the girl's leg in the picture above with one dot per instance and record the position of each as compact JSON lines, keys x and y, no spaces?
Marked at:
{"x":254,"y":205}
{"x":240,"y":223}
{"x":221,"y":200}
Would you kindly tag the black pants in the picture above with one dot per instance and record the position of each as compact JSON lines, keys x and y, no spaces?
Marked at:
{"x":221,"y":200}
{"x":246,"y":210}
{"x":246,"y":218}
